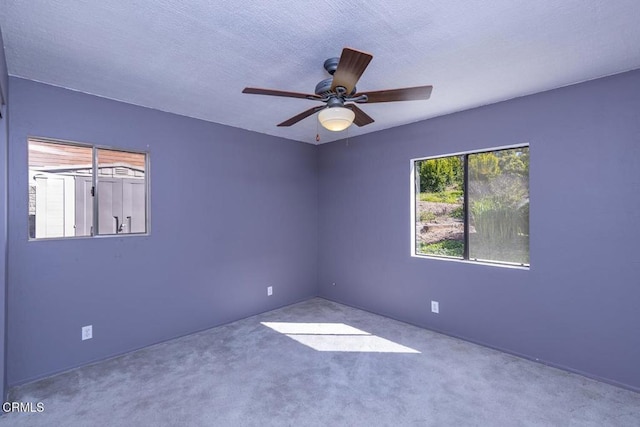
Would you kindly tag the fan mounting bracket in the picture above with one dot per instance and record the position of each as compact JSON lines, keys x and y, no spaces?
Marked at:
{"x":331,"y":65}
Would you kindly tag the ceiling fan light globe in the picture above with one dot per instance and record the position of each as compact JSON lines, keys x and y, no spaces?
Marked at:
{"x":336,"y":118}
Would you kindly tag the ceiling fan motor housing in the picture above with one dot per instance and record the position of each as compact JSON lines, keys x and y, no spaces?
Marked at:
{"x":334,"y":101}
{"x":324,"y":88}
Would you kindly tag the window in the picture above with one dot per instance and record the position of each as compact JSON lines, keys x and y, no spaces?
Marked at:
{"x":66,"y":197}
{"x":473,"y":206}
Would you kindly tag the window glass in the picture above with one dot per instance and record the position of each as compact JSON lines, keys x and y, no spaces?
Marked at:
{"x":121,"y":192}
{"x":499,"y":206}
{"x":56,"y":173}
{"x":439,"y":207}
{"x":474,"y":206}
{"x":63,"y":201}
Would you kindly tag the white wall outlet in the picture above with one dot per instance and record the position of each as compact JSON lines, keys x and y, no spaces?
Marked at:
{"x":435,"y":307}
{"x":269,"y":291}
{"x":87,"y":332}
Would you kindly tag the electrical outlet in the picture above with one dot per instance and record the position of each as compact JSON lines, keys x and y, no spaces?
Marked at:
{"x":269,"y":291}
{"x":435,"y":307}
{"x":87,"y":332}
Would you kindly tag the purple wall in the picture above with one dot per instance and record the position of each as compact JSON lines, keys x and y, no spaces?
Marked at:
{"x":4,"y":75}
{"x":578,"y":307}
{"x":232,"y":212}
{"x":4,"y":135}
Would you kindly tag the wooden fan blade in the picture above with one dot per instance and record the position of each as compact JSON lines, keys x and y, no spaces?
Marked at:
{"x":350,"y":67}
{"x":405,"y":94}
{"x":273,"y":92}
{"x":362,"y":118}
{"x":295,"y":119}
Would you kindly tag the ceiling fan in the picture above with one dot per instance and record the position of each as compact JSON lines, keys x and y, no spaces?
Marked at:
{"x":339,"y":93}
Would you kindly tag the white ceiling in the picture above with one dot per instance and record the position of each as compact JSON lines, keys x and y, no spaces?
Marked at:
{"x":195,"y":57}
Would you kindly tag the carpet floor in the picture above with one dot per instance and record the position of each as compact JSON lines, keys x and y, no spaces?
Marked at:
{"x":319,"y":363}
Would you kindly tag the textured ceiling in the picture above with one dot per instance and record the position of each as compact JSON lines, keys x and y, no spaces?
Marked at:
{"x":195,"y":57}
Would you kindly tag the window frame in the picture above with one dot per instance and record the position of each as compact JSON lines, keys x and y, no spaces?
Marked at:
{"x":412,"y":208}
{"x":94,"y":182}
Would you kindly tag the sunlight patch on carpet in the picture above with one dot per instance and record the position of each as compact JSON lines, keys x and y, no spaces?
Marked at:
{"x":337,"y":337}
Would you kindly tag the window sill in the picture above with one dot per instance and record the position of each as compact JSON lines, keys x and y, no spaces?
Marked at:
{"x":99,"y":236}
{"x":466,"y":261}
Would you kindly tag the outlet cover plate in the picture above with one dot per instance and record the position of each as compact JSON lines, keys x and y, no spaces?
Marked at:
{"x":87,"y":332}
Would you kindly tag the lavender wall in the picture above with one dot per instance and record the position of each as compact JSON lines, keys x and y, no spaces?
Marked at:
{"x":4,"y":75}
{"x":4,"y":134}
{"x":578,"y":305}
{"x":232,"y":212}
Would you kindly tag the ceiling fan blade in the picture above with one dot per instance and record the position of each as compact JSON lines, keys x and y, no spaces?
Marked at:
{"x":350,"y":67}
{"x":286,"y":94}
{"x":295,"y":119}
{"x":404,"y":94}
{"x":362,"y":118}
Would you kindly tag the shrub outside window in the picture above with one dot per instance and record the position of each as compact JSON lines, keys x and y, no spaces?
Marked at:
{"x":67,"y":199}
{"x":473,"y":206}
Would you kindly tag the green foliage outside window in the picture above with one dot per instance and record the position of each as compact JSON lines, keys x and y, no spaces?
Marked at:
{"x":498,"y":206}
{"x":437,"y":174}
